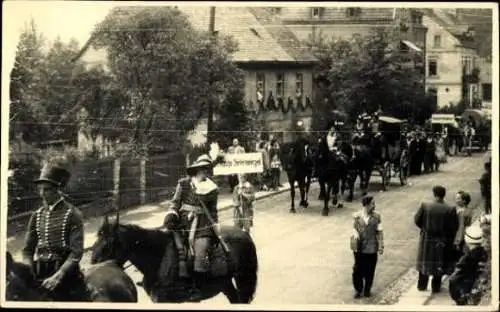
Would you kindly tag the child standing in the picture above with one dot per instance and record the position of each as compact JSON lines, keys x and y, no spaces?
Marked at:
{"x":243,"y":198}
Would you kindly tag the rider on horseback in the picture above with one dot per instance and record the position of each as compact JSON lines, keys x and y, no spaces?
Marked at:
{"x":54,"y":240}
{"x":187,"y":218}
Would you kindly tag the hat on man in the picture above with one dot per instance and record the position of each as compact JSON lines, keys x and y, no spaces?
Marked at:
{"x":202,"y":162}
{"x":54,"y":175}
{"x":473,"y":235}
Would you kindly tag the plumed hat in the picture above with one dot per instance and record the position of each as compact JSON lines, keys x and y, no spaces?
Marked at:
{"x":473,"y":235}
{"x":54,"y":175}
{"x":204,"y":161}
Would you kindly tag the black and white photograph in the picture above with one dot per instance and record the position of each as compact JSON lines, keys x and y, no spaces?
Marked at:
{"x":254,"y":155}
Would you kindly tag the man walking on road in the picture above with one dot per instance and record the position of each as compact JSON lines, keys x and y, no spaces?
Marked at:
{"x":366,"y":242}
{"x":438,"y":224}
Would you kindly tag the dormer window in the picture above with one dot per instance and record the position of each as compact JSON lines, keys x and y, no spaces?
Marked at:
{"x":416,"y":18}
{"x":316,"y":12}
{"x":353,"y":12}
{"x":276,"y":10}
{"x":471,"y":32}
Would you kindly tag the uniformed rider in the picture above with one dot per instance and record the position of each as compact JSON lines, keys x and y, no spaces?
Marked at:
{"x":54,"y":240}
{"x":188,"y":216}
{"x":375,"y":123}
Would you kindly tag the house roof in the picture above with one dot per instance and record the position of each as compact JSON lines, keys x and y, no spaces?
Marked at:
{"x":283,"y":35}
{"x":453,"y":25}
{"x":258,"y":38}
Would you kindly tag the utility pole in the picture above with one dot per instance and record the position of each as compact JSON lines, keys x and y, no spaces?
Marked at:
{"x":210,"y":117}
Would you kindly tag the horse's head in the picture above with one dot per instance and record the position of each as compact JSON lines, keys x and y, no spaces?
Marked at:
{"x":20,"y":283}
{"x":110,"y":243}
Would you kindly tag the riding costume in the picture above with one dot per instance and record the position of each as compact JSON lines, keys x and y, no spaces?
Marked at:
{"x":188,"y":218}
{"x":54,"y":241}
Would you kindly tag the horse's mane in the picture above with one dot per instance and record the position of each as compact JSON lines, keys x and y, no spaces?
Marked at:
{"x":151,"y":239}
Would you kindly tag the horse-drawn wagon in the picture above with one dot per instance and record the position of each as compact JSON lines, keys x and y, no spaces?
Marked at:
{"x":394,"y":151}
{"x":481,"y":121}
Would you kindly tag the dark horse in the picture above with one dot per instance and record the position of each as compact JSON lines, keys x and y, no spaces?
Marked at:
{"x":298,"y":165}
{"x":363,"y":161}
{"x":332,"y":170}
{"x":106,"y":282}
{"x":145,"y":248}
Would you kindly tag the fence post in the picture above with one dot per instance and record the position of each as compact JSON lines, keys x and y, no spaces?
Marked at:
{"x":116,"y":181}
{"x":143,"y":180}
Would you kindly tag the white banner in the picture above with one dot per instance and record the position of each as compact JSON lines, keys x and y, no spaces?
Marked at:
{"x":240,"y":163}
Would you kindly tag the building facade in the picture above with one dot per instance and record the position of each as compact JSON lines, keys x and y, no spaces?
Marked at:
{"x":344,"y":22}
{"x":485,"y":88}
{"x":278,"y":74}
{"x":452,"y":61}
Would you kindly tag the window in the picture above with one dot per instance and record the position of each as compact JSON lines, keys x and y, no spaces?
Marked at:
{"x":467,"y":64}
{"x":261,"y":87}
{"x":316,"y":12}
{"x":353,"y":12}
{"x":433,"y":67}
{"x":487,"y":92}
{"x":437,"y":41}
{"x":280,"y":85}
{"x":433,"y":93}
{"x":299,"y":85}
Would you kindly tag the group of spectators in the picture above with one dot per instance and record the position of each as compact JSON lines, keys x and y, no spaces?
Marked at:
{"x":450,"y":243}
{"x":269,"y":179}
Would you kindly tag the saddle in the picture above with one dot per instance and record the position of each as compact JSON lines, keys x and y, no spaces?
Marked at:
{"x":219,"y":262}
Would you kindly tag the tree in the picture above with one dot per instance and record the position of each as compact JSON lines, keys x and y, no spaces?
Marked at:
{"x":366,"y":74}
{"x":59,"y":93}
{"x":41,"y":91}
{"x":25,"y":81}
{"x":169,"y":69}
{"x":102,"y":105}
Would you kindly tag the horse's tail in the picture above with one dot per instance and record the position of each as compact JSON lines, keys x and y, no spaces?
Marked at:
{"x":246,"y":278}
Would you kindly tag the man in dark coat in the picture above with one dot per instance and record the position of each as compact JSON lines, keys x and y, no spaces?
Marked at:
{"x":429,"y":154}
{"x":54,"y":239}
{"x":413,"y":153}
{"x":485,"y":183}
{"x":421,"y":143}
{"x":438,"y":224}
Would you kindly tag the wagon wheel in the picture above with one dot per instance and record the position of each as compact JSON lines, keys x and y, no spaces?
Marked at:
{"x":403,"y":167}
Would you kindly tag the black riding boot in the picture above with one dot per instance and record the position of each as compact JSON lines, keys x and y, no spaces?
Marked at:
{"x":195,"y":293}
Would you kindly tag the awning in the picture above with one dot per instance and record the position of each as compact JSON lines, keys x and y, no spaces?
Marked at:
{"x":444,"y":119}
{"x":390,"y":119}
{"x":412,"y":45}
{"x":478,"y":116}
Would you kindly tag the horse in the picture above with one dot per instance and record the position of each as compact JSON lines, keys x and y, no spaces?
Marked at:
{"x":332,"y":169}
{"x":298,"y":165}
{"x":145,"y":249}
{"x":363,"y":161}
{"x":105,"y":282}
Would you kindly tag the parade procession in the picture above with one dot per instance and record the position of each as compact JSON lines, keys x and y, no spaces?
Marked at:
{"x":215,"y":155}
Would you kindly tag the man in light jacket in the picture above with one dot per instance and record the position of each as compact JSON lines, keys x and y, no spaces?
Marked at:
{"x":366,"y":242}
